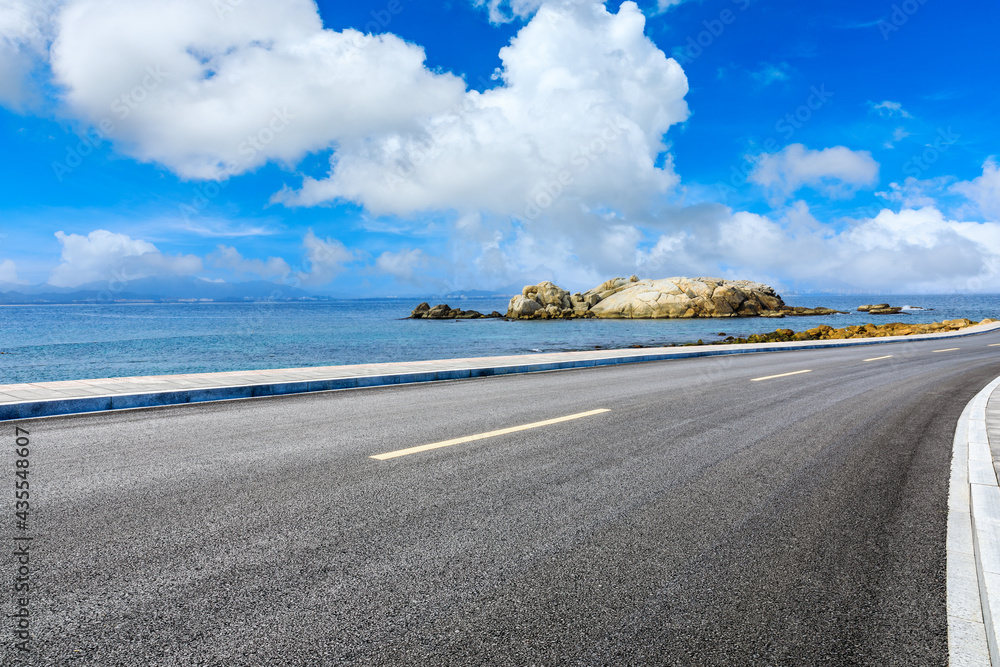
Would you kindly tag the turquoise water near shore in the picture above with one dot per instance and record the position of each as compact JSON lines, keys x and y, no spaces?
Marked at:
{"x":69,"y":342}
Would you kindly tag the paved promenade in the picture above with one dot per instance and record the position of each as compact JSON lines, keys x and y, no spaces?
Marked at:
{"x":42,"y":399}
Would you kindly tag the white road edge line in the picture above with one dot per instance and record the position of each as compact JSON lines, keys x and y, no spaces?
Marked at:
{"x":483,"y":436}
{"x":782,"y":375}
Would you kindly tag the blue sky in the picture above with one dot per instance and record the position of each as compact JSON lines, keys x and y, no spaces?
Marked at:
{"x":399,"y":147}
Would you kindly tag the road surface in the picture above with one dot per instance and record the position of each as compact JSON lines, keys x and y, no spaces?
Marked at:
{"x":712,"y":514}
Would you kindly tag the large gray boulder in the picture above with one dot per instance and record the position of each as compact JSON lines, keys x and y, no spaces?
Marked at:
{"x":687,"y":297}
{"x":632,"y":298}
{"x":522,"y":307}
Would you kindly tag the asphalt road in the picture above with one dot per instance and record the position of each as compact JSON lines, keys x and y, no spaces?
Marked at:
{"x":706,"y":519}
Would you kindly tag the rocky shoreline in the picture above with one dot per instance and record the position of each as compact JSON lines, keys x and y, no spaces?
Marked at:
{"x":824,"y":332}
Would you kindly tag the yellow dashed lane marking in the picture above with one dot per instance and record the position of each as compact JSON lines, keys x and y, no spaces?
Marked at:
{"x":783,"y":375}
{"x":888,"y":356}
{"x":483,"y":436}
{"x":950,"y":349}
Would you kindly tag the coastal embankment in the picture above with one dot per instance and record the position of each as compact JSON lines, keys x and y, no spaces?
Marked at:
{"x":43,"y":399}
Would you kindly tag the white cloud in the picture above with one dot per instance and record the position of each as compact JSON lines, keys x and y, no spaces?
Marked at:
{"x":984,"y":191}
{"x":104,"y":255}
{"x":913,"y":250}
{"x":8,"y":272}
{"x":228,"y":257}
{"x":579,"y":122}
{"x":504,"y":11}
{"x":836,"y":172}
{"x":888,"y":109}
{"x":770,"y":73}
{"x":15,"y":69}
{"x":917,"y":193}
{"x":664,"y":5}
{"x":324,"y":259}
{"x":210,"y":93}
{"x":220,"y":228}
{"x":403,"y":264}
{"x":25,"y":29}
{"x":898,"y":135}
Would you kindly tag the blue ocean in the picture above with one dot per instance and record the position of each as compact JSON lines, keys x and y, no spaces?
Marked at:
{"x":70,"y":342}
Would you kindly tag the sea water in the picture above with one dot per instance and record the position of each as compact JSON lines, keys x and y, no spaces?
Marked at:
{"x":68,"y":342}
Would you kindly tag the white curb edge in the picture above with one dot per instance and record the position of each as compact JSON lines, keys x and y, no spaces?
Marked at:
{"x":973,"y":565}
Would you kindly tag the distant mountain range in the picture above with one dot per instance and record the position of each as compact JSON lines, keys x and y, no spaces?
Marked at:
{"x":167,"y":289}
{"x":157,"y":290}
{"x":479,"y":294}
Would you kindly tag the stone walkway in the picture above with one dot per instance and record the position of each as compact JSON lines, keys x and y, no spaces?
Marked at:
{"x":41,"y":399}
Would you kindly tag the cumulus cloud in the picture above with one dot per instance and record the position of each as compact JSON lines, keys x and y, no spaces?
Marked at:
{"x":403,"y":264}
{"x":912,"y":250}
{"x":580,"y":118}
{"x":324,"y":259}
{"x":836,"y":172}
{"x":25,"y":30}
{"x":228,"y":257}
{"x":983,"y":191}
{"x":8,"y":272}
{"x":211,"y":93}
{"x":104,"y":255}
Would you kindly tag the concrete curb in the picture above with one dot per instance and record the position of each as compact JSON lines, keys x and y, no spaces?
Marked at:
{"x":974,"y":541}
{"x":29,"y":409}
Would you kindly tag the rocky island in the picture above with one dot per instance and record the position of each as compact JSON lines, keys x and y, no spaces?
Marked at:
{"x":666,"y":298}
{"x":880,"y":309}
{"x":443,"y":311}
